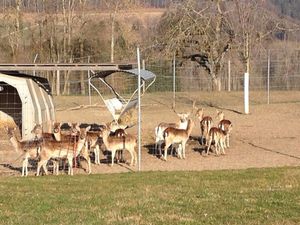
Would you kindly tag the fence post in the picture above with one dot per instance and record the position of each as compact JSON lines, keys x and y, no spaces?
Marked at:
{"x":174,"y":82}
{"x":268,"y":82}
{"x":89,"y":84}
{"x":246,"y":92}
{"x":57,"y":82}
{"x":229,"y":75}
{"x":139,"y":108}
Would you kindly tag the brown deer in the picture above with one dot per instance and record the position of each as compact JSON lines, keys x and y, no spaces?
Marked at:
{"x":114,"y":143}
{"x":177,"y":136}
{"x":159,"y":130}
{"x":205,"y":125}
{"x":29,"y":149}
{"x":57,"y":135}
{"x":218,"y":136}
{"x":63,"y":149}
{"x":225,"y":125}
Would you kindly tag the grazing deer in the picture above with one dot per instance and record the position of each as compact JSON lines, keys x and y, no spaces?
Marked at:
{"x":225,"y":125}
{"x":64,"y":149}
{"x":218,"y":136}
{"x":114,"y":143}
{"x":159,"y":130}
{"x":205,"y":125}
{"x":29,"y":149}
{"x":177,"y":136}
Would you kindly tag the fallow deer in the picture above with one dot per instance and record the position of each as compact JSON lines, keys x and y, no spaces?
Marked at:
{"x":225,"y":125}
{"x":159,"y":130}
{"x":70,"y":136}
{"x":63,"y":149}
{"x":114,"y":143}
{"x":28,"y":149}
{"x":177,"y":136}
{"x":218,"y":136}
{"x":205,"y":125}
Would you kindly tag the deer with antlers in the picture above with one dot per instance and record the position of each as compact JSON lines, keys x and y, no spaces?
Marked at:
{"x":177,"y":136}
{"x":225,"y":125}
{"x":159,"y":130}
{"x":52,"y":149}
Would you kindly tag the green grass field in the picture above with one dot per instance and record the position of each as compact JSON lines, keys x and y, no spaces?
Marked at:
{"x":253,"y":196}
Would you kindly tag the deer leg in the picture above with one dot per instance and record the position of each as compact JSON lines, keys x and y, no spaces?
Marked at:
{"x":113,"y":153}
{"x":23,"y":167}
{"x":70,"y":169}
{"x":97,"y":154}
{"x":166,"y":152}
{"x":222,"y":147}
{"x":208,"y":146}
{"x":183,"y":150}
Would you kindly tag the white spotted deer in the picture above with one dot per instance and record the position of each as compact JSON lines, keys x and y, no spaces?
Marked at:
{"x":205,"y":125}
{"x":64,"y":149}
{"x":225,"y":125}
{"x":177,"y":136}
{"x":71,"y":135}
{"x":115,"y":143}
{"x":29,"y":149}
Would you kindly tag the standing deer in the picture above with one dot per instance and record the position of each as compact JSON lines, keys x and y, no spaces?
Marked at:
{"x":205,"y":125}
{"x":218,"y":136}
{"x":159,"y":130}
{"x":115,"y":143}
{"x":177,"y":136}
{"x":225,"y":125}
{"x":29,"y":149}
{"x":63,"y":150}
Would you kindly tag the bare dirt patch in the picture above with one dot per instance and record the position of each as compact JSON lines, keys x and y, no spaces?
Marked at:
{"x":268,"y":137}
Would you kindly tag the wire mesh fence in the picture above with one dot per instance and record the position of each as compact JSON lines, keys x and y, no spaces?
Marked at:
{"x":273,"y":70}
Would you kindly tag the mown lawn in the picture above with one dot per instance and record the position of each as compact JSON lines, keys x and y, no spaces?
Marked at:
{"x":253,"y":196}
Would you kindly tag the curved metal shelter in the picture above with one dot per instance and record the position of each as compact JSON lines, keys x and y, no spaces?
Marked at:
{"x":119,"y":104}
{"x":28,"y":100}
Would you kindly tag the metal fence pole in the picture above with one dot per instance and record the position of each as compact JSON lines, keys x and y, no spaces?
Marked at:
{"x":268,"y":82}
{"x":58,"y":83}
{"x":229,"y":75}
{"x":174,"y":81}
{"x":89,"y":84}
{"x":139,"y":108}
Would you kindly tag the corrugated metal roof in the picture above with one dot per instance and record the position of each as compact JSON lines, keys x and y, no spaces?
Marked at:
{"x":42,"y":82}
{"x":145,"y":74}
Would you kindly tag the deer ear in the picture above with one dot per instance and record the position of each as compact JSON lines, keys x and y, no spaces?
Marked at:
{"x":88,"y":128}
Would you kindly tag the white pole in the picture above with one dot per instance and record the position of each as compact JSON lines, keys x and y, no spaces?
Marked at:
{"x":174,"y":81}
{"x":268,"y":82}
{"x":139,"y":108}
{"x":229,"y":75}
{"x":34,"y":62}
{"x":89,"y":83}
{"x":58,"y":83}
{"x":246,"y":93}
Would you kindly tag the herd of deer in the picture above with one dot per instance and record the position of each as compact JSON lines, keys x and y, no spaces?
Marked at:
{"x":179,"y":133}
{"x":83,"y":138}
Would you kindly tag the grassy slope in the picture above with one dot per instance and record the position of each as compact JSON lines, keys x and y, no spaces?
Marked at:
{"x":256,"y":196}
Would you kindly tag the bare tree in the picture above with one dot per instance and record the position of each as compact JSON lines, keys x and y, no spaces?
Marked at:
{"x":199,"y":31}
